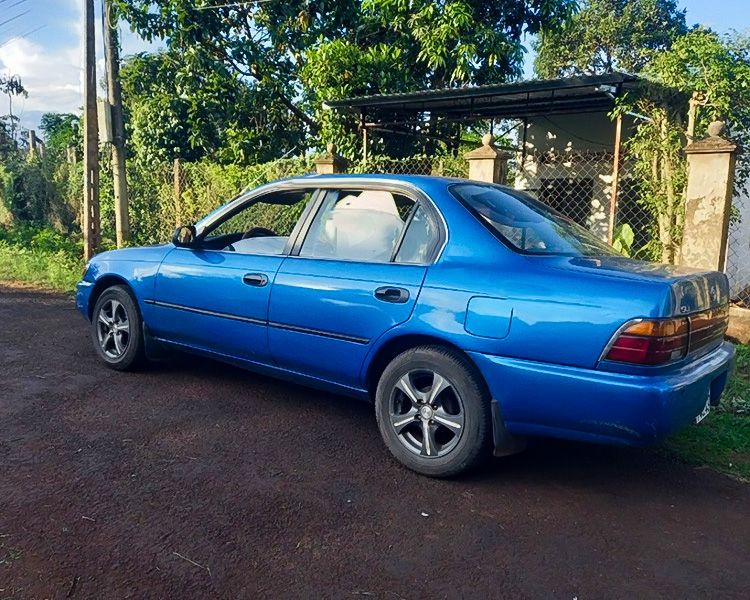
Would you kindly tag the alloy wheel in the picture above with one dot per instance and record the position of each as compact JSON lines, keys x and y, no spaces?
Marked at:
{"x":426,"y":413}
{"x":113,"y":329}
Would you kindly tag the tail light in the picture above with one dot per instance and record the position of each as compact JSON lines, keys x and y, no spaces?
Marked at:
{"x":650,"y":342}
{"x":660,"y":341}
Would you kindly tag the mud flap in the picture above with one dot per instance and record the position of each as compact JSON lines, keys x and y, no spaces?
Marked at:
{"x":504,"y":443}
{"x":153,"y":348}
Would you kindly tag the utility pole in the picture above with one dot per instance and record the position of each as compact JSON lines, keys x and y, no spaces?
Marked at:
{"x":114,"y":97}
{"x":90,"y":138}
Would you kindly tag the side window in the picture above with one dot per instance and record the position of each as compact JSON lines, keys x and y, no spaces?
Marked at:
{"x":361,"y":225}
{"x":262,"y":227}
{"x":420,"y":238}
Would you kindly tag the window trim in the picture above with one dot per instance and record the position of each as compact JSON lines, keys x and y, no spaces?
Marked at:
{"x":319,"y":184}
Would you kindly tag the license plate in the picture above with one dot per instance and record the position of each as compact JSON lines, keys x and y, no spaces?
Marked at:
{"x":705,"y":411}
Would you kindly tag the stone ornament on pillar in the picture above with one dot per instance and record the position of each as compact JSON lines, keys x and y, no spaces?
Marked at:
{"x":488,"y":163}
{"x":330,"y":162}
{"x":710,"y":187}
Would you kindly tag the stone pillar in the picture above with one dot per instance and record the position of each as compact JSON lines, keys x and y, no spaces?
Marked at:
{"x":488,"y":163}
{"x":330,"y":162}
{"x":708,"y":200}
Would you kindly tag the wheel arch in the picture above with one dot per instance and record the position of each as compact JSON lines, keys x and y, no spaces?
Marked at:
{"x":104,"y":282}
{"x":401,"y":343}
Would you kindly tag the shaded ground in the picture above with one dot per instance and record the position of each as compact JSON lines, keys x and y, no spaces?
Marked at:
{"x":196,"y":480}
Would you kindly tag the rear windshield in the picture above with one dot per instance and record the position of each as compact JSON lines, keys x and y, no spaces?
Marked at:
{"x":526,"y":224}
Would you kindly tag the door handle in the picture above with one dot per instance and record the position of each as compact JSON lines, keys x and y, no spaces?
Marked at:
{"x":255,"y":279}
{"x":392,"y":294}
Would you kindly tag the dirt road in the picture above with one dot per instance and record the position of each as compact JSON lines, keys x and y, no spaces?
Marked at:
{"x":197,"y":480}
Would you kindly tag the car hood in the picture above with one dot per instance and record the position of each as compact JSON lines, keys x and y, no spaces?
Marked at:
{"x":143,"y":254}
{"x":692,"y":289}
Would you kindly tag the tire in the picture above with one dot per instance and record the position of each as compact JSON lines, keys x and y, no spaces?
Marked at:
{"x":117,"y":330}
{"x":457,"y":418}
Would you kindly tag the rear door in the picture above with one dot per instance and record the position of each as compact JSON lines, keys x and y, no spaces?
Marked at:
{"x":356,"y":273}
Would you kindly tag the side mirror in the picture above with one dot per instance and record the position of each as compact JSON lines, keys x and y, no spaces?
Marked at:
{"x":184,"y":236}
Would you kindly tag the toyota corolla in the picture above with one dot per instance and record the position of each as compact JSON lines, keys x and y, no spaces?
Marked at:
{"x":471,"y":315}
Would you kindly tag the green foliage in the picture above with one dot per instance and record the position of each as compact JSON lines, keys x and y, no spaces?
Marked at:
{"x":195,"y":111}
{"x":715,"y":72}
{"x":29,"y":194}
{"x":722,"y":441}
{"x":609,"y":35}
{"x":292,"y":56}
{"x":61,"y":130}
{"x":41,"y":256}
{"x":623,"y":239}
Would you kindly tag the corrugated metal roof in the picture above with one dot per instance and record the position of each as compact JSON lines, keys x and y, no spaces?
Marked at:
{"x":517,"y":99}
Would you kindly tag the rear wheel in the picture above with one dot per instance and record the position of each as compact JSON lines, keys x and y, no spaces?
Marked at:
{"x":433,"y":411}
{"x":116,"y":329}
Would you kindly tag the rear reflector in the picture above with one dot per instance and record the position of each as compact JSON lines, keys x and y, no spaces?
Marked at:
{"x":661,"y":341}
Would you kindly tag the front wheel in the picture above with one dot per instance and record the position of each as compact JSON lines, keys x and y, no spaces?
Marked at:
{"x":433,"y":411}
{"x":116,"y":329}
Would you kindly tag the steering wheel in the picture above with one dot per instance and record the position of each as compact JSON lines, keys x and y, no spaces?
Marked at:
{"x":258,"y":232}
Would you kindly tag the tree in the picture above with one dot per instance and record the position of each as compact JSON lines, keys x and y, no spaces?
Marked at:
{"x":10,"y":86}
{"x":61,"y":131}
{"x":175,"y":110}
{"x":609,"y":35}
{"x":715,"y":73}
{"x":299,"y":53}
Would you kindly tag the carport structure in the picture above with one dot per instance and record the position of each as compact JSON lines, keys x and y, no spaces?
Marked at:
{"x":569,"y":149}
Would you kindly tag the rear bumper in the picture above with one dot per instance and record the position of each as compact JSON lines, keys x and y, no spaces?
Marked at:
{"x":598,"y":406}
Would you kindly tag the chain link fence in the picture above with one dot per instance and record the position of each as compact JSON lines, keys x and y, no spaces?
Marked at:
{"x":580,"y":185}
{"x":738,"y":252}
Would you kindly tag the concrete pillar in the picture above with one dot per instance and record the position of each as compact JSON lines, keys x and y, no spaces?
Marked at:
{"x":708,"y":200}
{"x":488,"y":163}
{"x":330,"y":162}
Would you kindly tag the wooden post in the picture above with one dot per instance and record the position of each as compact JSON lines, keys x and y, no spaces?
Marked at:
{"x":90,"y":219}
{"x":177,"y":175}
{"x":114,"y":96}
{"x":615,"y":180}
{"x":32,"y":143}
{"x":363,"y":125}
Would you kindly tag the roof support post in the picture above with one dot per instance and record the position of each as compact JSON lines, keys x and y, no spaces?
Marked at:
{"x":615,"y":180}
{"x":363,"y":126}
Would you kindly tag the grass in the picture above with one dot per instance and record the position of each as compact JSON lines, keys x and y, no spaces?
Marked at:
{"x":722,"y":440}
{"x":40,"y":256}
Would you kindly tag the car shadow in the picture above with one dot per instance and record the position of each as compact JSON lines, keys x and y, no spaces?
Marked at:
{"x":547,"y":461}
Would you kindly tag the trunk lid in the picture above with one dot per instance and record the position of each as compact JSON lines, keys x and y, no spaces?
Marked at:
{"x":700,"y":296}
{"x":693,"y":290}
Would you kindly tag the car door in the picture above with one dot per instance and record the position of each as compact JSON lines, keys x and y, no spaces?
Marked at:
{"x":356,"y":273}
{"x":214,"y":295}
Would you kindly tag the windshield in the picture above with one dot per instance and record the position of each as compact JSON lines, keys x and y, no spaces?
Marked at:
{"x":528,"y":225}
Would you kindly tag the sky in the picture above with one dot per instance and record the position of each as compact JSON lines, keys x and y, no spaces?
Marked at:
{"x":41,"y":41}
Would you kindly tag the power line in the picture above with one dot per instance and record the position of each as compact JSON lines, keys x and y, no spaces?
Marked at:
{"x":18,"y":16}
{"x":21,"y":36}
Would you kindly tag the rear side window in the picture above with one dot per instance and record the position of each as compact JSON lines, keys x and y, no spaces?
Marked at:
{"x":359,"y":225}
{"x":528,"y":225}
{"x":420,"y":238}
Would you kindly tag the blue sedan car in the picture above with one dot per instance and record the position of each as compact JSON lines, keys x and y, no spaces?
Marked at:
{"x":470,"y":314}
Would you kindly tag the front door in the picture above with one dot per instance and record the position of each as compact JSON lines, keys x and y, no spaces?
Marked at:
{"x":214,"y":295}
{"x":357,"y":273}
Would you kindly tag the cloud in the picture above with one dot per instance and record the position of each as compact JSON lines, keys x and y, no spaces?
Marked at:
{"x":50,"y":66}
{"x":51,"y":77}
